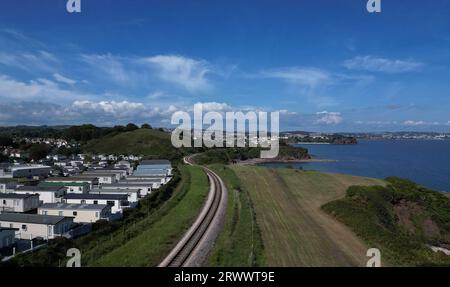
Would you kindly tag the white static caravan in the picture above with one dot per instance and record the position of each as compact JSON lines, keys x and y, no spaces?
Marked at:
{"x":132,"y":194}
{"x":46,"y":194}
{"x":144,"y":188}
{"x":12,"y":202}
{"x":82,"y":213}
{"x":31,"y":226}
{"x":117,"y":201}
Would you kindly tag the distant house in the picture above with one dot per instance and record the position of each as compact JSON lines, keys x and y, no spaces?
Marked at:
{"x":144,"y":188}
{"x":46,"y":194}
{"x":72,"y":187}
{"x":132,"y":194}
{"x":117,"y":201}
{"x":82,"y":213}
{"x":31,"y":226}
{"x":12,"y":202}
{"x":7,"y":237}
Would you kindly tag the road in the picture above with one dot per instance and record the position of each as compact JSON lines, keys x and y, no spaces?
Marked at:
{"x":192,"y":250}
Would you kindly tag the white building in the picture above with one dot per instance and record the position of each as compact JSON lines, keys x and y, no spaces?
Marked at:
{"x":12,"y":202}
{"x":82,"y":213}
{"x":31,"y":226}
{"x":46,"y":194}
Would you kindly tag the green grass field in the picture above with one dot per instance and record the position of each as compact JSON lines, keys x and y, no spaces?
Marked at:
{"x":295,"y":231}
{"x":240,"y":242}
{"x":159,"y":237}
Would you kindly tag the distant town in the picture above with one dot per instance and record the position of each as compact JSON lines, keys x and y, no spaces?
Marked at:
{"x":351,"y":138}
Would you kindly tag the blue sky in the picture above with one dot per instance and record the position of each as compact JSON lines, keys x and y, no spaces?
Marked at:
{"x":326,"y":65}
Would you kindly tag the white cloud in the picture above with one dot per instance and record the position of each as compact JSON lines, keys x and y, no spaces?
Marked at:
{"x":186,"y":72}
{"x":110,"y":65}
{"x":329,"y":118}
{"x":420,"y":123}
{"x":60,"y":78}
{"x":448,"y":123}
{"x":310,"y":77}
{"x":39,"y":89}
{"x":378,"y":64}
{"x":30,"y":61}
{"x":215,"y":107}
{"x":119,"y":109}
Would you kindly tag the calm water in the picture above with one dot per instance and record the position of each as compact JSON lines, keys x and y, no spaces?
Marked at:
{"x":425,"y":162}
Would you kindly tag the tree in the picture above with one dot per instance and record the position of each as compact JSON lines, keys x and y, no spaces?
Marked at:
{"x":38,"y":151}
{"x":146,"y":126}
{"x":6,"y":141}
{"x":131,"y":127}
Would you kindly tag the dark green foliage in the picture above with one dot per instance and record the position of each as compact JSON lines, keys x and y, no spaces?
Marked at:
{"x":400,"y":219}
{"x":131,"y":127}
{"x":38,"y":151}
{"x":229,"y":155}
{"x":6,"y":141}
{"x":32,"y":131}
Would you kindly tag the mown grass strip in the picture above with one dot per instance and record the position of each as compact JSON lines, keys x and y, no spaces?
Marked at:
{"x":239,"y":243}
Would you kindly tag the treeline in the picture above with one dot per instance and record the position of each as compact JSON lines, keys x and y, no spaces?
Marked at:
{"x":32,"y":131}
{"x":89,"y":132}
{"x":77,"y":133}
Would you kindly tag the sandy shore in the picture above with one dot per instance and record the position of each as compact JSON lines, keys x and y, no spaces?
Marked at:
{"x":255,"y":161}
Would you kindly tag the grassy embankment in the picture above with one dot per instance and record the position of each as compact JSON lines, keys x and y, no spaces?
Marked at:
{"x":159,"y":236}
{"x":240,"y":242}
{"x":400,"y":220}
{"x":294,"y":229}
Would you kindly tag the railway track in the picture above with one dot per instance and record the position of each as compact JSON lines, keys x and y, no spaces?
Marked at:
{"x":185,"y":252}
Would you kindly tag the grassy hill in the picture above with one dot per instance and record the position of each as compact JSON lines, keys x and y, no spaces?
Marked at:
{"x":400,"y":220}
{"x":294,"y":230}
{"x":147,"y":142}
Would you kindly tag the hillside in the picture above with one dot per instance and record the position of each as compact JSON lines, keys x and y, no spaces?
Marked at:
{"x":294,"y":229}
{"x":400,"y":220}
{"x":146,"y":142}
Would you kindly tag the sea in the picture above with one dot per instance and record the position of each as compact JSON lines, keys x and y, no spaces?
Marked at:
{"x":426,"y":162}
